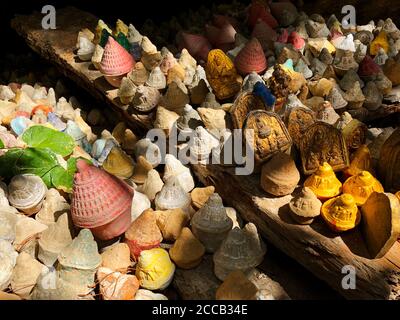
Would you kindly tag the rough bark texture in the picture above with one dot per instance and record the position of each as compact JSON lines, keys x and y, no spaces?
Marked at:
{"x":315,"y":247}
{"x":59,"y":47}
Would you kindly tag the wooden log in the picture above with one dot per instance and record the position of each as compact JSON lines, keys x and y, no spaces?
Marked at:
{"x":59,"y":47}
{"x":315,"y":247}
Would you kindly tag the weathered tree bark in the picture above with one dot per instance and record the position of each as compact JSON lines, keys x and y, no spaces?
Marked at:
{"x":59,"y":47}
{"x":320,"y":251}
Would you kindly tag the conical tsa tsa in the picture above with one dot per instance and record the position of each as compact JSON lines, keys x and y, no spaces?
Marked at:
{"x":341,"y":213}
{"x":152,"y":185}
{"x":77,"y":263}
{"x":174,"y":168}
{"x":361,"y":161}
{"x":280,"y":176}
{"x":324,"y":183}
{"x":141,"y":169}
{"x":54,"y":239}
{"x":305,"y":206}
{"x":222,"y":75}
{"x":173,"y":196}
{"x":118,"y":163}
{"x":116,"y":62}
{"x":8,"y":259}
{"x":187,"y":251}
{"x":211,"y":223}
{"x":241,"y":250}
{"x":251,"y":58}
{"x":155,"y":270}
{"x":361,"y":186}
{"x":100,"y":202}
{"x":26,"y":192}
{"x":143,"y":234}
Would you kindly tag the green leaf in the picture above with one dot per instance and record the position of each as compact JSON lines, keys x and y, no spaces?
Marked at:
{"x":2,"y":146}
{"x":43,"y":137}
{"x":62,"y":179}
{"x":30,"y":160}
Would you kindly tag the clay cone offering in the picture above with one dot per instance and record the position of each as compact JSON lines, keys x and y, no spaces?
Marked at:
{"x":201,"y":195}
{"x":152,"y":185}
{"x":54,"y":239}
{"x":100,"y":202}
{"x":155,"y":269}
{"x":171,"y":223}
{"x":211,"y":224}
{"x":143,"y":234}
{"x":25,"y":275}
{"x":117,"y":258}
{"x":117,"y":286}
{"x":116,"y":62}
{"x":197,"y":45}
{"x":141,"y":170}
{"x":251,"y":58}
{"x":237,"y":287}
{"x":187,"y":251}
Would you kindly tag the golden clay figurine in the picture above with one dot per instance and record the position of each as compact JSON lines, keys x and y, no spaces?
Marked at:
{"x":361,"y":161}
{"x":341,"y":213}
{"x":324,"y":183}
{"x":362,"y":186}
{"x":222,"y":75}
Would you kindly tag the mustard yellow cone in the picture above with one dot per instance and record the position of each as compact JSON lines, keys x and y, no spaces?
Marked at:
{"x":341,"y":213}
{"x":324,"y":183}
{"x":362,"y":186}
{"x":155,"y":269}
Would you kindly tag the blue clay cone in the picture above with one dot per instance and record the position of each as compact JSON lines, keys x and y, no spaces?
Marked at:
{"x":56,"y":122}
{"x":136,"y":51}
{"x":19,"y":125}
{"x":265,"y":94}
{"x":289,"y":64}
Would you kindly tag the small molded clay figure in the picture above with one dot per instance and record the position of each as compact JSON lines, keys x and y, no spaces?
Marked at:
{"x":341,"y":213}
{"x":324,"y":183}
{"x":222,"y":75}
{"x":361,"y":186}
{"x":305,"y":206}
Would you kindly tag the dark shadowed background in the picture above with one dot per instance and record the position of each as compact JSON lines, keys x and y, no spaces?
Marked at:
{"x":137,"y":11}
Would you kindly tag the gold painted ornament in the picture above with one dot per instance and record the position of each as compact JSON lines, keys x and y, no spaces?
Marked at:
{"x":222,"y":75}
{"x":269,"y":137}
{"x":361,"y":161}
{"x":243,"y":104}
{"x":118,"y":163}
{"x":321,"y":143}
{"x":324,"y":183}
{"x":361,"y":186}
{"x":341,"y":213}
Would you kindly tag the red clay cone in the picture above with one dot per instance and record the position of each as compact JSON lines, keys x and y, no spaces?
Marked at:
{"x":265,"y":34}
{"x":368,"y":67}
{"x":197,"y":45}
{"x":251,"y":58}
{"x":100,"y":202}
{"x":260,"y":10}
{"x":116,"y":60}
